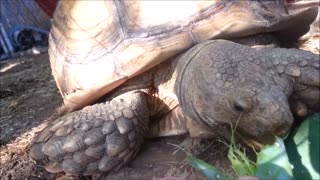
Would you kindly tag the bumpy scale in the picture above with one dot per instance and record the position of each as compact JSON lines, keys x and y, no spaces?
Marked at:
{"x":212,"y":84}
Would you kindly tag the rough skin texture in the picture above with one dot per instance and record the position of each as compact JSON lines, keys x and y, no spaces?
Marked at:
{"x":218,"y":84}
{"x":97,"y":138}
{"x":250,"y":86}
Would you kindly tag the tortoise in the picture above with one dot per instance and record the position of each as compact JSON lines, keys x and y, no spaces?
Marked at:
{"x":93,"y":53}
{"x":200,"y":92}
{"x":109,"y":62}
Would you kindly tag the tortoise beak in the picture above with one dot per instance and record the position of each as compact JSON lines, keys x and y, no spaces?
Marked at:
{"x":251,"y":143}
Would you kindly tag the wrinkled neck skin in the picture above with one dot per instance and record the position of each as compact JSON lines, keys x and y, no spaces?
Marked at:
{"x":221,"y":83}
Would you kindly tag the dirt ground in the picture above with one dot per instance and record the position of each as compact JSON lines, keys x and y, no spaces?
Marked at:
{"x":28,"y":96}
{"x":29,"y":99}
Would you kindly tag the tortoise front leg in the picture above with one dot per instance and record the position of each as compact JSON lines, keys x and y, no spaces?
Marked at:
{"x":96,"y":139}
{"x":302,"y":68}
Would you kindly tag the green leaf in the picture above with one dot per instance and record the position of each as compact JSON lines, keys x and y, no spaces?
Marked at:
{"x":273,"y":162}
{"x":303,"y":149}
{"x":241,"y":163}
{"x":206,"y":169}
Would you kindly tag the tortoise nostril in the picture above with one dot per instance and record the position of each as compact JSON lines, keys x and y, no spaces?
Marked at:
{"x":282,"y":130}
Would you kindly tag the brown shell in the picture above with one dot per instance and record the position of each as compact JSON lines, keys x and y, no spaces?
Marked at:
{"x":95,"y":46}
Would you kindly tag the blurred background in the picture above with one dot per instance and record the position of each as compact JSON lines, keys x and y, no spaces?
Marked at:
{"x":24,"y":26}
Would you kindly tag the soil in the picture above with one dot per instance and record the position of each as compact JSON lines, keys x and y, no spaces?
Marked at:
{"x":29,"y":100}
{"x":28,"y":96}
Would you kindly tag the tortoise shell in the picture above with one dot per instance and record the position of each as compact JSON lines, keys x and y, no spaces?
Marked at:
{"x":95,"y":46}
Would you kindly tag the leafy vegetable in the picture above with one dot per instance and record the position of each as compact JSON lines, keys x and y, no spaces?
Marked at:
{"x":303,"y":149}
{"x":273,"y":162}
{"x":300,"y":151}
{"x":206,"y":169}
{"x":241,"y":164}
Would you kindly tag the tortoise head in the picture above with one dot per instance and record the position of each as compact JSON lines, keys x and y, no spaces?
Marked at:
{"x":222,"y":83}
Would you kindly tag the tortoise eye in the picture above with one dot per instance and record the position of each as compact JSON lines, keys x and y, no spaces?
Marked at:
{"x":242,"y":104}
{"x":238,"y":107}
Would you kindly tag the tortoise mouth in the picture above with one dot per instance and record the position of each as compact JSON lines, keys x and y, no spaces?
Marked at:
{"x":247,"y":140}
{"x":254,"y":142}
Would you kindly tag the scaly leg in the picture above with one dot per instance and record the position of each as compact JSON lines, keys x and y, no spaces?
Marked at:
{"x":96,"y":139}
